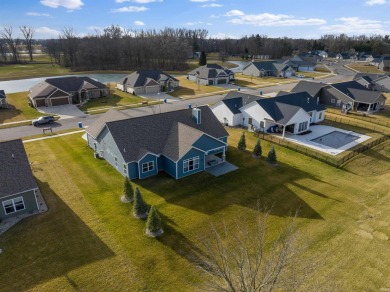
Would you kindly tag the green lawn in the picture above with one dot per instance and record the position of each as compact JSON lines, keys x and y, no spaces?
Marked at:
{"x":18,"y":110}
{"x":89,"y":241}
{"x":118,"y":98}
{"x":251,"y":81}
{"x":188,"y":88}
{"x":12,"y":72}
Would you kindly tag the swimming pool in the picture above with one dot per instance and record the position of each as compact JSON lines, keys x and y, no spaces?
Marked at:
{"x":335,"y":139}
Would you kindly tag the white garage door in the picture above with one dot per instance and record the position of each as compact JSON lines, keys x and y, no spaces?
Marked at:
{"x":151,"y":89}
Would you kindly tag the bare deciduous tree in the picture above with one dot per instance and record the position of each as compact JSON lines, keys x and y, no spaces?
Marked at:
{"x":28,"y":33}
{"x":12,"y":43}
{"x":242,"y":258}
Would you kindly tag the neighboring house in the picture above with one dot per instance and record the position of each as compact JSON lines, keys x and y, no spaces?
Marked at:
{"x":228,"y":110}
{"x":179,"y":143}
{"x":376,"y":82}
{"x":18,"y":188}
{"x":376,"y":61}
{"x":3,"y":99}
{"x":268,"y":68}
{"x":349,"y":95}
{"x":66,"y":90}
{"x":147,"y":81}
{"x":384,"y":65}
{"x":211,"y":74}
{"x":288,"y":112}
{"x":343,"y":56}
{"x":302,"y":63}
{"x":322,"y":54}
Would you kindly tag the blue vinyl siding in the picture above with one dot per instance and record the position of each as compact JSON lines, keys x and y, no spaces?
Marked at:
{"x":29,"y":201}
{"x":206,"y":143}
{"x":146,"y":159}
{"x":160,"y":162}
{"x":169,"y":166}
{"x":190,"y":154}
{"x":133,"y":170}
{"x":224,"y":139}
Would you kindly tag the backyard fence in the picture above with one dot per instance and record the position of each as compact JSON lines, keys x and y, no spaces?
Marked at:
{"x":357,"y":123}
{"x":336,"y":161}
{"x":374,"y":119}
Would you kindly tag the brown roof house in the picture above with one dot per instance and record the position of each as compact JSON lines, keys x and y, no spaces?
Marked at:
{"x":66,"y":90}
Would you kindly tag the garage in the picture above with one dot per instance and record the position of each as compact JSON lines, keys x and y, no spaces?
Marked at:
{"x":211,"y":82}
{"x":222,"y":81}
{"x":40,"y":102}
{"x":59,"y":101}
{"x":152,"y":89}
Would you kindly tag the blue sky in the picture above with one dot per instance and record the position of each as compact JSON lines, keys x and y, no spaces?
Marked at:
{"x":222,"y":18}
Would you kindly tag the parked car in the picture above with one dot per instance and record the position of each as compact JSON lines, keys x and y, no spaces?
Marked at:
{"x":43,"y":120}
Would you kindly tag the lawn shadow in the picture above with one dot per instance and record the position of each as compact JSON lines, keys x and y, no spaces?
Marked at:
{"x":254,"y":181}
{"x":9,"y":113}
{"x":47,"y":246}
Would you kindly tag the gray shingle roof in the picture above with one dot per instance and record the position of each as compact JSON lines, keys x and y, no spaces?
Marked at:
{"x":142,"y":77}
{"x":111,"y":115}
{"x":302,"y":99}
{"x":15,"y":171}
{"x":153,"y":133}
{"x":368,"y":77}
{"x":236,"y":99}
{"x":313,"y":88}
{"x":210,"y":71}
{"x":279,"y":112}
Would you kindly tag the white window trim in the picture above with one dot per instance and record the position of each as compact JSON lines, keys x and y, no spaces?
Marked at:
{"x":13,"y":204}
{"x":147,"y":166}
{"x":196,"y":158}
{"x":124,"y":168}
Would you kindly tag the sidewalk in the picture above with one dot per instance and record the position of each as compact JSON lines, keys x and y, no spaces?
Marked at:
{"x":53,"y":136}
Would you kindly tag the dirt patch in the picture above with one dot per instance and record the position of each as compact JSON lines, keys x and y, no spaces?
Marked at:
{"x":364,"y":234}
{"x":380,"y":235}
{"x":366,"y":227}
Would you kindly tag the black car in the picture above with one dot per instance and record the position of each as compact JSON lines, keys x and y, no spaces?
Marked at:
{"x":43,"y":120}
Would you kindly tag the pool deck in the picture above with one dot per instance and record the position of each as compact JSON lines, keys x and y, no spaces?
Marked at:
{"x":320,"y":130}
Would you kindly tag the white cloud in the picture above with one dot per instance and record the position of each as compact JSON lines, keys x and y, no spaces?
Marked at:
{"x":269,"y":19}
{"x":130,"y":9}
{"x":45,"y":32}
{"x":139,"y":1}
{"x":355,"y":25}
{"x":211,"y":5}
{"x":37,"y":14}
{"x":375,"y":2}
{"x":139,"y":23}
{"x":69,"y":4}
{"x":202,"y":1}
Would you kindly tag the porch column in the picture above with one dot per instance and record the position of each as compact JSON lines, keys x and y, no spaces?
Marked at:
{"x":284,"y":131}
{"x":224,"y":154}
{"x":368,"y":108}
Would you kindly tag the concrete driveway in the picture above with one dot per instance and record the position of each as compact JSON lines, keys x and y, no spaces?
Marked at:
{"x":66,"y":111}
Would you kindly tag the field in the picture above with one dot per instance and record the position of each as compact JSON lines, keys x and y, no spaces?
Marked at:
{"x":88,"y":240}
{"x":189,"y":89}
{"x":365,"y":68}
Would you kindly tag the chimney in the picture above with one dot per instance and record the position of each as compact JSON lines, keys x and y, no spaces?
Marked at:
{"x":197,"y":115}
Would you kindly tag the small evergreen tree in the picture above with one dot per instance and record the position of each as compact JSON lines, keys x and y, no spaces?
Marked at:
{"x":271,"y":155}
{"x":140,"y":208}
{"x":153,"y":223}
{"x":242,"y":143}
{"x":202,"y":59}
{"x":257,"y":151}
{"x":128,"y":190}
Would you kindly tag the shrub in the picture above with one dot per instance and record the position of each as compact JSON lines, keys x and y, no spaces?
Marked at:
{"x":242,"y":143}
{"x":257,"y":151}
{"x":153,"y":223}
{"x":128,"y":192}
{"x":140,"y":208}
{"x":271,"y":155}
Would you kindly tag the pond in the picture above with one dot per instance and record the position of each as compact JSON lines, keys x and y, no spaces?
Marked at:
{"x":21,"y":85}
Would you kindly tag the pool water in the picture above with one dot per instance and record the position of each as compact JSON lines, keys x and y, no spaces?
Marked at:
{"x":335,"y":139}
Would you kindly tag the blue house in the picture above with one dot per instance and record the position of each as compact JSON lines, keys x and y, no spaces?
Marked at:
{"x":180,"y":143}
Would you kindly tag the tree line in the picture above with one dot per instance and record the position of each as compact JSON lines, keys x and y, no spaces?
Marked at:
{"x":115,"y":48}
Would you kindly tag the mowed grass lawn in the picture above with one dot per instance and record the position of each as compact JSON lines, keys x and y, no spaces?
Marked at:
{"x":20,"y":71}
{"x":365,"y":68}
{"x":88,"y":240}
{"x":252,"y":81}
{"x":117,"y":98}
{"x":18,"y":110}
{"x":189,"y":88}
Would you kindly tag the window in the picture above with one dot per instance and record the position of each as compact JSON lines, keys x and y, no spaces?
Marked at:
{"x":191,"y":164}
{"x":302,"y":126}
{"x":147,"y":166}
{"x":250,"y":121}
{"x":333,"y":100}
{"x":262,"y":124}
{"x":124,"y":168}
{"x":13,"y":205}
{"x":116,"y":162}
{"x":338,"y":102}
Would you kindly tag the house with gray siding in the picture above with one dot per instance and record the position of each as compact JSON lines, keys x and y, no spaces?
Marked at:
{"x":3,"y":100}
{"x":268,"y":68}
{"x":66,"y":90}
{"x":384,"y":65}
{"x":211,"y":74}
{"x":376,"y":82}
{"x":147,"y":81}
{"x":18,"y":188}
{"x":179,"y":143}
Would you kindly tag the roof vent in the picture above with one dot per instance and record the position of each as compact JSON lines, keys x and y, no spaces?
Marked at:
{"x":13,"y":156}
{"x":308,"y":100}
{"x":196,"y":114}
